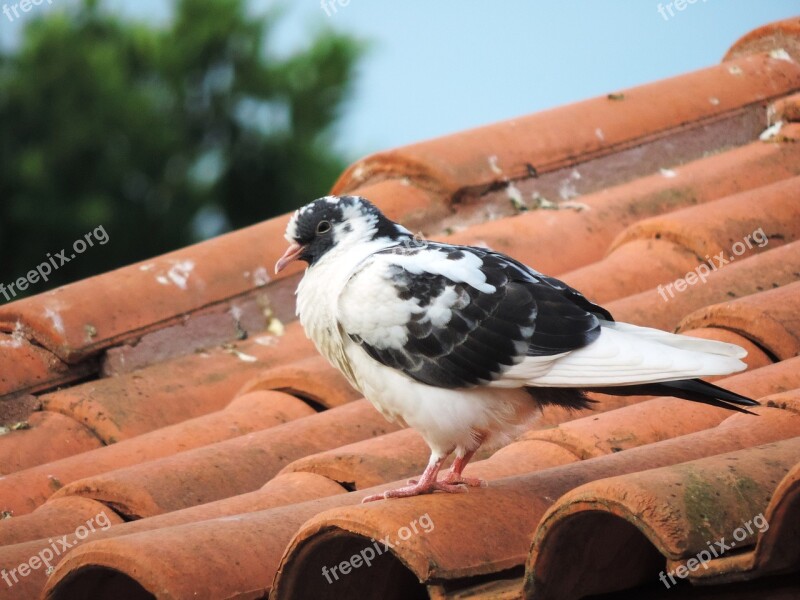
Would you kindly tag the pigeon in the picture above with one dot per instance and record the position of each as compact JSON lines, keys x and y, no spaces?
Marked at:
{"x":466,"y":345}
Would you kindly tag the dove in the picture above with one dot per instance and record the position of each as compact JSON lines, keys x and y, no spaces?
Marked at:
{"x":465,"y":344}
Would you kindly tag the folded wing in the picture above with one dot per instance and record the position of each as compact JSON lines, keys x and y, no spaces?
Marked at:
{"x":460,"y":317}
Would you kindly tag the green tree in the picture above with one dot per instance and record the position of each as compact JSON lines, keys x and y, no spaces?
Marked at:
{"x":162,"y":136}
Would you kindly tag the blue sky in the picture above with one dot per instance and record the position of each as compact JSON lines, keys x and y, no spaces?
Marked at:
{"x":440,"y":66}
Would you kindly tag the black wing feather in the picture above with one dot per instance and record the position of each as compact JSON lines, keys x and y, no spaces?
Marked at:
{"x":528,"y":314}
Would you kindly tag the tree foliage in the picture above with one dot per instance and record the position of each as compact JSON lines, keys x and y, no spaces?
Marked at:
{"x":163,"y":136}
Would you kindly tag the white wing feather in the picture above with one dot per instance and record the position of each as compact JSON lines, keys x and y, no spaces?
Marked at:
{"x":625,"y":354}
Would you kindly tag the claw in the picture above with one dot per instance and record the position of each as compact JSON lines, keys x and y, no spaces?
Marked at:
{"x":418,"y":490}
{"x":452,"y":483}
{"x":455,"y":479}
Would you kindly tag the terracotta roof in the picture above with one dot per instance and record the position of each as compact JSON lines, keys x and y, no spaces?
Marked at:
{"x":172,"y":426}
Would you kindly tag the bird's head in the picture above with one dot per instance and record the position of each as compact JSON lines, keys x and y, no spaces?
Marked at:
{"x":336,"y":222}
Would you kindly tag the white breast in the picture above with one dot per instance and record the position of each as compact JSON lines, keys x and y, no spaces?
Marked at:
{"x":318,"y":299}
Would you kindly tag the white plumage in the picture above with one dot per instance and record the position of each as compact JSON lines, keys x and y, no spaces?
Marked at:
{"x":455,"y":341}
{"x":625,"y":354}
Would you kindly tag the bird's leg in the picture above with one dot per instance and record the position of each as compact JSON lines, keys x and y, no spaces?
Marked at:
{"x":427,"y":484}
{"x":454,"y":476}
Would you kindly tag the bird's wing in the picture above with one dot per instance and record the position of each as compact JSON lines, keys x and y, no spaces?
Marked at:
{"x":458,"y":317}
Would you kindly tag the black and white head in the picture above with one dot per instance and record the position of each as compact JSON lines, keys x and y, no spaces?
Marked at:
{"x":336,"y":222}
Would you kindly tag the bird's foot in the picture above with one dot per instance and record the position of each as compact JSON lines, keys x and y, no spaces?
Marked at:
{"x":418,"y":489}
{"x":455,"y":479}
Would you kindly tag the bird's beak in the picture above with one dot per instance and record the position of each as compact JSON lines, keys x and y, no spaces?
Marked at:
{"x":292,"y":253}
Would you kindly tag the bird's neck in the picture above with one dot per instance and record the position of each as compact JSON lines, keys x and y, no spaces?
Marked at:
{"x":345,"y":258}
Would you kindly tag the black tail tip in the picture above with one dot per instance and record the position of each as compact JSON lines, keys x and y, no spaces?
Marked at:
{"x":749,"y":402}
{"x":702,"y":391}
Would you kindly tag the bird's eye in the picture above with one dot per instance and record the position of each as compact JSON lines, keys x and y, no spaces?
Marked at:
{"x":323,"y":227}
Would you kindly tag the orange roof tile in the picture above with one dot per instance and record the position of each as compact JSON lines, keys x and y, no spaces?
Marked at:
{"x":768,"y":318}
{"x":117,"y":408}
{"x":35,"y":368}
{"x":55,"y":436}
{"x":312,"y":379}
{"x":563,"y":137}
{"x":787,"y":109}
{"x":783,"y":35}
{"x":776,"y":267}
{"x":91,"y":315}
{"x":59,"y":516}
{"x":659,"y":250}
{"x":776,"y":550}
{"x":503,"y":516}
{"x":23,"y":491}
{"x":582,"y":233}
{"x":206,"y":430}
{"x":695,"y":511}
{"x":292,"y":489}
{"x":235,"y":466}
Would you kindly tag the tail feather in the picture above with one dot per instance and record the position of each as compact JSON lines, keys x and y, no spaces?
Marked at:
{"x":683,"y":342}
{"x":702,"y":391}
{"x":628,"y":355}
{"x":695,"y":390}
{"x":629,"y":360}
{"x":569,"y":398}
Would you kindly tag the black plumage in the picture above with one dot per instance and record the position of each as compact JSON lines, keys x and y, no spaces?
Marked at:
{"x":528,"y":314}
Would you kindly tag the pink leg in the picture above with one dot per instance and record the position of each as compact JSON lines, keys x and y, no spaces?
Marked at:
{"x":427,"y":484}
{"x":455,"y":477}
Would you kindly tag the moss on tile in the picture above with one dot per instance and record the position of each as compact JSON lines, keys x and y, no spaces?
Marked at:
{"x":55,"y":483}
{"x":705,"y":508}
{"x":671,"y":198}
